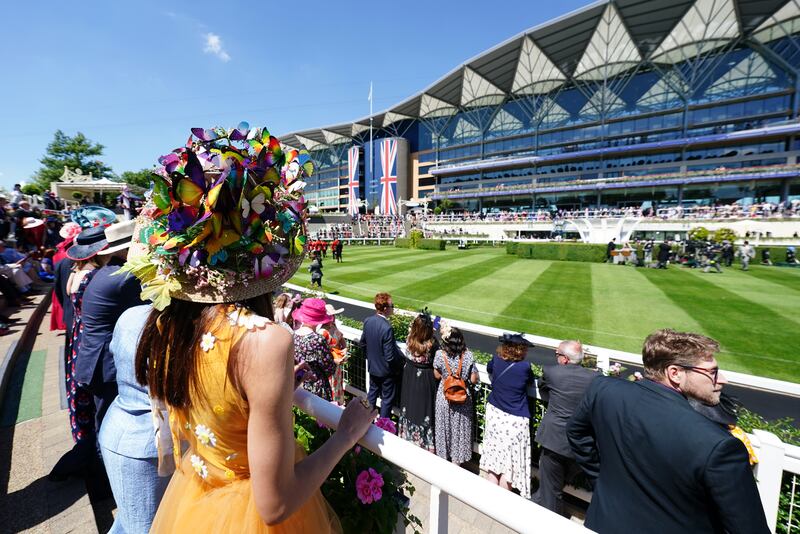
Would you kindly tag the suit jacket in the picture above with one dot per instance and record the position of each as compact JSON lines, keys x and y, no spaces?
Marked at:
{"x":62,"y":271}
{"x":562,"y":387}
{"x":384,"y":357}
{"x":104,"y":300}
{"x":661,"y":467}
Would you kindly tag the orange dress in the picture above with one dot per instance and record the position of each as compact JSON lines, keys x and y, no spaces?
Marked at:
{"x":211,"y":490}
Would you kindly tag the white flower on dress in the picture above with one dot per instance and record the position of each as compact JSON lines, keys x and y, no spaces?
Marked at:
{"x":205,"y":436}
{"x":246,"y":319}
{"x":207,"y":343}
{"x":199,"y":466}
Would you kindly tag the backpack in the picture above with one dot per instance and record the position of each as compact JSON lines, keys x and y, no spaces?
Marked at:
{"x":454,"y":387}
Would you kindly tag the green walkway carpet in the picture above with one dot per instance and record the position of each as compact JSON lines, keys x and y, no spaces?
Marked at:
{"x":23,"y":400}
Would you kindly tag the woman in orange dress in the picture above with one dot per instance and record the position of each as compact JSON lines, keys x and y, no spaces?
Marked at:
{"x":210,"y":351}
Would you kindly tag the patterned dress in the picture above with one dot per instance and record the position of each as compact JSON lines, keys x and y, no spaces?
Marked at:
{"x":211,"y":490}
{"x":79,"y":400}
{"x":417,"y":401}
{"x":454,"y":421}
{"x":314,"y":350}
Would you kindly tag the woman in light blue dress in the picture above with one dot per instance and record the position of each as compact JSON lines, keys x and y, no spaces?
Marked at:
{"x":127,"y":437}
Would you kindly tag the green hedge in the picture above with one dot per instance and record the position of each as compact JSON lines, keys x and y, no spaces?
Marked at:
{"x":511,"y":247}
{"x":402,"y":242}
{"x":777,"y":254}
{"x":559,"y":251}
{"x":431,"y":244}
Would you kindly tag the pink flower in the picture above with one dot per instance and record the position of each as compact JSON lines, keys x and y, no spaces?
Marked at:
{"x":369,"y":484}
{"x":357,"y":449}
{"x":386,"y":424}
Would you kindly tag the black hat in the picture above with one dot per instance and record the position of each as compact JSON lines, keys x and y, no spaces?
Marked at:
{"x":88,"y":244}
{"x":515,"y":339}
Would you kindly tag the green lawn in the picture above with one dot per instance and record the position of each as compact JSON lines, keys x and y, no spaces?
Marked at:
{"x":755,"y":315}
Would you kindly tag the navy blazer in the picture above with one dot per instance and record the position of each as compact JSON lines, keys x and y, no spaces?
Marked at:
{"x":384,"y":357}
{"x":562,"y":387}
{"x":62,"y":271}
{"x":659,"y":466}
{"x":106,"y":297}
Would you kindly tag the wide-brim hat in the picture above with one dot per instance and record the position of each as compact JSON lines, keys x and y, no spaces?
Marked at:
{"x":209,"y":294}
{"x":312,"y":312}
{"x":30,"y":222}
{"x":87,"y":244}
{"x":515,"y":339}
{"x":118,"y":236}
{"x":70,"y":230}
{"x":90,"y":216}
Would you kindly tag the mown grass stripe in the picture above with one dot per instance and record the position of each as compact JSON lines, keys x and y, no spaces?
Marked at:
{"x":784,"y":276}
{"x":764,"y":292}
{"x":627,"y":307}
{"x":753,"y":337}
{"x":558,"y":301}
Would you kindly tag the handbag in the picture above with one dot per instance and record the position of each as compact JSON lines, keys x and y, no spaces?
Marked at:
{"x":455,"y":389}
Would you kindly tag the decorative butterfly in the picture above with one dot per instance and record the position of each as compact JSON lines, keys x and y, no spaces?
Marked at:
{"x":264,"y":268}
{"x":256,"y":204}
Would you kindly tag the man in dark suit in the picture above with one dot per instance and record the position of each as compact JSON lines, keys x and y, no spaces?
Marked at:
{"x":384,"y":358}
{"x":562,"y":387}
{"x":105,"y":298}
{"x":656,"y":464}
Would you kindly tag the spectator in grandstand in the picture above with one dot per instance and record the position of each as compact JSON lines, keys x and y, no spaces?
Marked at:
{"x":385,"y":360}
{"x":454,"y":408}
{"x":506,"y":450}
{"x":315,"y":268}
{"x":418,"y":391}
{"x":612,"y":245}
{"x":746,"y":253}
{"x":664,"y":251}
{"x":655,"y":463}
{"x":562,"y":386}
{"x":310,"y":347}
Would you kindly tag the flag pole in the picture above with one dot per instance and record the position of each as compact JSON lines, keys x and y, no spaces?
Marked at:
{"x":371,"y":148}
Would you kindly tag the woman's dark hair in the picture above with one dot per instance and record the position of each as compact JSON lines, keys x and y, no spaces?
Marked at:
{"x":166,"y":357}
{"x":512,"y":352}
{"x":454,"y":345}
{"x":420,"y":336}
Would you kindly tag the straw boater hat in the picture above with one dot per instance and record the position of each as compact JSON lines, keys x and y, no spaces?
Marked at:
{"x":226,"y":221}
{"x":118,"y":236}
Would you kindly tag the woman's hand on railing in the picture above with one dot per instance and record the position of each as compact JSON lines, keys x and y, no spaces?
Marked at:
{"x":356,"y":420}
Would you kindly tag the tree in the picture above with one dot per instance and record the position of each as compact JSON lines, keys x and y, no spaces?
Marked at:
{"x":138,"y":178}
{"x":724,"y":234}
{"x":76,"y":152}
{"x":698,"y":233}
{"x":31,"y":189}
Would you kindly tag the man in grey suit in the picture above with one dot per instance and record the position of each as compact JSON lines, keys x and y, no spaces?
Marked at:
{"x":562,"y":387}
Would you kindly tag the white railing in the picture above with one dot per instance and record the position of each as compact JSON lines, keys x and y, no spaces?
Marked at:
{"x":446,"y":479}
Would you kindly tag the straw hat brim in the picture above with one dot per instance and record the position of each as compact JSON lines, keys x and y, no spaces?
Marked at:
{"x":239,"y":292}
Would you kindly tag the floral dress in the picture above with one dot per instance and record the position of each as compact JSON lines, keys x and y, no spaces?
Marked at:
{"x":79,"y":400}
{"x":417,"y":401}
{"x":211,"y":490}
{"x":454,"y":421}
{"x":339,"y":358}
{"x":314,"y":350}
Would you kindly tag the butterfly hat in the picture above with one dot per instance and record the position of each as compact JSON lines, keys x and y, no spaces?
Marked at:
{"x":226,"y":220}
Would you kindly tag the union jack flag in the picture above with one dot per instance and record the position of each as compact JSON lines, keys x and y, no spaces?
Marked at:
{"x":352,"y":181}
{"x":388,"y":176}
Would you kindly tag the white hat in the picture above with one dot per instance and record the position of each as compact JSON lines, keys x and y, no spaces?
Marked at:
{"x":330,"y":310}
{"x":30,"y":222}
{"x":119,"y":237}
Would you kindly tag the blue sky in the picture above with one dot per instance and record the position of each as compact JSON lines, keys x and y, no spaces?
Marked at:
{"x":135,"y":76}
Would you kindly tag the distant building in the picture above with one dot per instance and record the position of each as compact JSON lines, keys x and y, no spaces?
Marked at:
{"x":620,"y":103}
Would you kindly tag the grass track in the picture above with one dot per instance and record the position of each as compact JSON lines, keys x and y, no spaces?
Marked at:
{"x":753,"y":314}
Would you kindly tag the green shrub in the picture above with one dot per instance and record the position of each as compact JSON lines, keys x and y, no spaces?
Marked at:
{"x":561,"y":251}
{"x":777,"y":254}
{"x":400,"y":325}
{"x":724,"y":234}
{"x":431,"y":244}
{"x":511,"y":247}
{"x":402,"y":242}
{"x":698,"y":233}
{"x":415,"y":237}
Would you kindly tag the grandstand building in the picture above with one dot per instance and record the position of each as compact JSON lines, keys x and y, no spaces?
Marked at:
{"x":621,"y":103}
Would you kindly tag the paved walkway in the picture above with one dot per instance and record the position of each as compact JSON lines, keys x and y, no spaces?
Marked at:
{"x":29,"y":449}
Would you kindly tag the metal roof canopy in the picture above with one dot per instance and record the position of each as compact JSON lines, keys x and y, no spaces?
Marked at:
{"x":563,"y":42}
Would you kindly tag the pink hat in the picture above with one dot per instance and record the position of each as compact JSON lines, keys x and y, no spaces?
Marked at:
{"x":312,"y":312}
{"x":70,"y":230}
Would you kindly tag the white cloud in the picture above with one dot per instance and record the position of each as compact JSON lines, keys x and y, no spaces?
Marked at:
{"x":214,"y":46}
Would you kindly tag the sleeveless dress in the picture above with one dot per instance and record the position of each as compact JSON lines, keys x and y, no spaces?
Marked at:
{"x":211,"y":490}
{"x":79,"y":400}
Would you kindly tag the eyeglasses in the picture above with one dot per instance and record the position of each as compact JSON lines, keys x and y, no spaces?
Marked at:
{"x":713,"y":374}
{"x":561,"y":354}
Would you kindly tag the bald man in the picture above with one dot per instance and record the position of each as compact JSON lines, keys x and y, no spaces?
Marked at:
{"x":562,"y":387}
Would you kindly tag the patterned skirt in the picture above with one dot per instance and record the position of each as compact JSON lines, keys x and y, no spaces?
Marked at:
{"x":506,"y":448}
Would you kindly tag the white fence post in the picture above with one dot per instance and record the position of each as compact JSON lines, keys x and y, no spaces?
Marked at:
{"x":437,"y":521}
{"x":769,"y":474}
